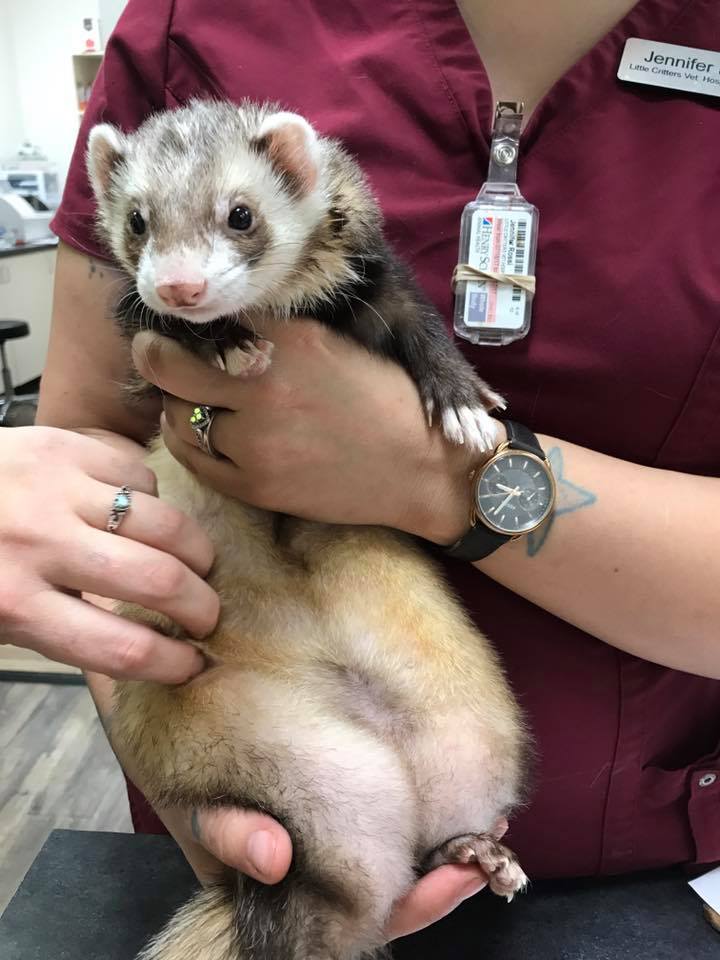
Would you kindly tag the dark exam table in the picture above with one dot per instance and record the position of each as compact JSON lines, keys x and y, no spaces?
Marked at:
{"x":99,"y":896}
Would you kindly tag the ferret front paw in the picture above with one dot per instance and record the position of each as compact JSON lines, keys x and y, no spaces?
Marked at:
{"x":471,"y":426}
{"x":505,"y":875}
{"x":250,"y":359}
{"x":462,"y":403}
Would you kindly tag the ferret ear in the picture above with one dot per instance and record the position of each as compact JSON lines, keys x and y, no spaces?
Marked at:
{"x":293,"y":149}
{"x":106,"y":147}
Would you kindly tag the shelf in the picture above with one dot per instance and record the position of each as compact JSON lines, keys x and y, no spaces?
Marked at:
{"x":85,"y":69}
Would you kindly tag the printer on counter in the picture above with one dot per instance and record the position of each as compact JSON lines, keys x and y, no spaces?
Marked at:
{"x":30,"y":173}
{"x":23,"y":219}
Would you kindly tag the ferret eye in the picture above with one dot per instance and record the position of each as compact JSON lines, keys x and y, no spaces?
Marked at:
{"x":240,"y":219}
{"x":137,"y":224}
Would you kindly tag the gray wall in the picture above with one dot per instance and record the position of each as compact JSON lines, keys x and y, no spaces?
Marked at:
{"x":109,"y":12}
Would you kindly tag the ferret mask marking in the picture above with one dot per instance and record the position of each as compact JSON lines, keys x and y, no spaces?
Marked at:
{"x":189,"y":262}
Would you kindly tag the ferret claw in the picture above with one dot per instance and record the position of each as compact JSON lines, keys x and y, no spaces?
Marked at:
{"x":471,"y":426}
{"x":493,"y":400}
{"x":249,"y":360}
{"x":505,"y":875}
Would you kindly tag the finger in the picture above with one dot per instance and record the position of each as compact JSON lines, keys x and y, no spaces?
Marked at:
{"x":175,"y":370}
{"x":102,"y":462}
{"x":124,"y":570}
{"x":152,"y":522}
{"x":119,"y":472}
{"x":177,"y":414}
{"x":76,"y":633}
{"x":251,"y":842}
{"x":223,"y":475}
{"x":433,"y":897}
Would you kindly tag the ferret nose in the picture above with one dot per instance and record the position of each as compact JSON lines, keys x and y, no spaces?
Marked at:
{"x":181,"y":294}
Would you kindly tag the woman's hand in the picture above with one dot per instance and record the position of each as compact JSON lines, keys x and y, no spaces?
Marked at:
{"x":57,"y":491}
{"x":328,"y":432}
{"x":257,"y":845}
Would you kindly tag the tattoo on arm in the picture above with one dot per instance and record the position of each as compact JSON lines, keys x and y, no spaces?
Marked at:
{"x":570,"y":497}
{"x":94,"y":269}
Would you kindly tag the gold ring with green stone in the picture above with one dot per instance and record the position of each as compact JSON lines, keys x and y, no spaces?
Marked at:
{"x":201,"y":420}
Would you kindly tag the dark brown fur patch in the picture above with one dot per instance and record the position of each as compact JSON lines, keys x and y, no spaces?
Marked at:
{"x":296,"y":918}
{"x":252,"y":243}
{"x":337,"y":220}
{"x":134,"y":243}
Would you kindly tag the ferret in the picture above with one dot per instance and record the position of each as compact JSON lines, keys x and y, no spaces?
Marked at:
{"x":349,"y":695}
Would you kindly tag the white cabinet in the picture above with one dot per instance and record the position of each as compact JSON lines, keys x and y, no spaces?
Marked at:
{"x":26,"y":289}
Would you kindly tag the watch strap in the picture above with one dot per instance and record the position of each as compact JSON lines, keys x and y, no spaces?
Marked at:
{"x":520,"y":438}
{"x":480,"y":541}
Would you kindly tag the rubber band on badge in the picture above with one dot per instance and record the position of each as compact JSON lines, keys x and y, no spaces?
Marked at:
{"x":463,"y":273}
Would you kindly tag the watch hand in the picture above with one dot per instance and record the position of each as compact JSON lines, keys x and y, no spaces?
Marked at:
{"x":501,"y":486}
{"x":508,"y":498}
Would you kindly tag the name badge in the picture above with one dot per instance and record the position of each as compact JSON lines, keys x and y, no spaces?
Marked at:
{"x":670,"y":65}
{"x":494,"y":280}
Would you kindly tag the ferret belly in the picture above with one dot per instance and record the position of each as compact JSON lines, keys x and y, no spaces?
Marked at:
{"x":345,"y":674}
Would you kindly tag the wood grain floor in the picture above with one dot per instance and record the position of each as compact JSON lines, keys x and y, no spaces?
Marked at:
{"x":17,"y":658}
{"x":56,"y":770}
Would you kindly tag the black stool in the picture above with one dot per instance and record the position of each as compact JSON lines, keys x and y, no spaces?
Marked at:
{"x":14,"y":411}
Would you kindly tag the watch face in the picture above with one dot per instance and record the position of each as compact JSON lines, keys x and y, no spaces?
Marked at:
{"x":515,"y":492}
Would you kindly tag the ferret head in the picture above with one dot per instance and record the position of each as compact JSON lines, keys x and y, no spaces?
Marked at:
{"x":216,"y":209}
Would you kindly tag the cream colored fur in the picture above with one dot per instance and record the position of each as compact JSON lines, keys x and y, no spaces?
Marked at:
{"x":349,"y":695}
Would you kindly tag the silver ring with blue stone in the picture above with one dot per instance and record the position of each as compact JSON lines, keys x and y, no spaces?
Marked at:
{"x":201,"y":421}
{"x":120,"y":506}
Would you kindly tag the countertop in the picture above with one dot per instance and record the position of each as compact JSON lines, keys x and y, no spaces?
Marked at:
{"x":99,"y":896}
{"x":18,"y":251}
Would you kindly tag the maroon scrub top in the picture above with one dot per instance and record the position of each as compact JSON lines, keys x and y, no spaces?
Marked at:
{"x":623,"y":356}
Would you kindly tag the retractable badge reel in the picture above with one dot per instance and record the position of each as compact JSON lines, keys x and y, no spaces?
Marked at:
{"x":494,"y":281}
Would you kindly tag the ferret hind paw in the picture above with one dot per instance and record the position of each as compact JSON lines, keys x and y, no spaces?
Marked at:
{"x":471,"y":426}
{"x":505,"y":875}
{"x":250,"y":359}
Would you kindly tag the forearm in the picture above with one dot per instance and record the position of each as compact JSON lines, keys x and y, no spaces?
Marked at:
{"x":101,"y":691}
{"x":630,"y":557}
{"x":125,"y":445}
{"x":88,"y":361}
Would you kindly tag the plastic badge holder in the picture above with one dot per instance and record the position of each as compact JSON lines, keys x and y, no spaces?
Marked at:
{"x":494,"y":281}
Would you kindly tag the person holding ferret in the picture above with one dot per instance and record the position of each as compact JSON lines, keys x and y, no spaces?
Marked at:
{"x":605,"y":618}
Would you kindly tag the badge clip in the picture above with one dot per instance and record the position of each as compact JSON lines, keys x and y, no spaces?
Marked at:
{"x":494,"y":281}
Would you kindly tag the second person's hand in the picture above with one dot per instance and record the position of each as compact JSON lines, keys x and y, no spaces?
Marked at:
{"x":58,"y":489}
{"x":255,"y":844}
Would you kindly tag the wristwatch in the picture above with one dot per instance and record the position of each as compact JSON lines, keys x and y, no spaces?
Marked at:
{"x":512,"y":494}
